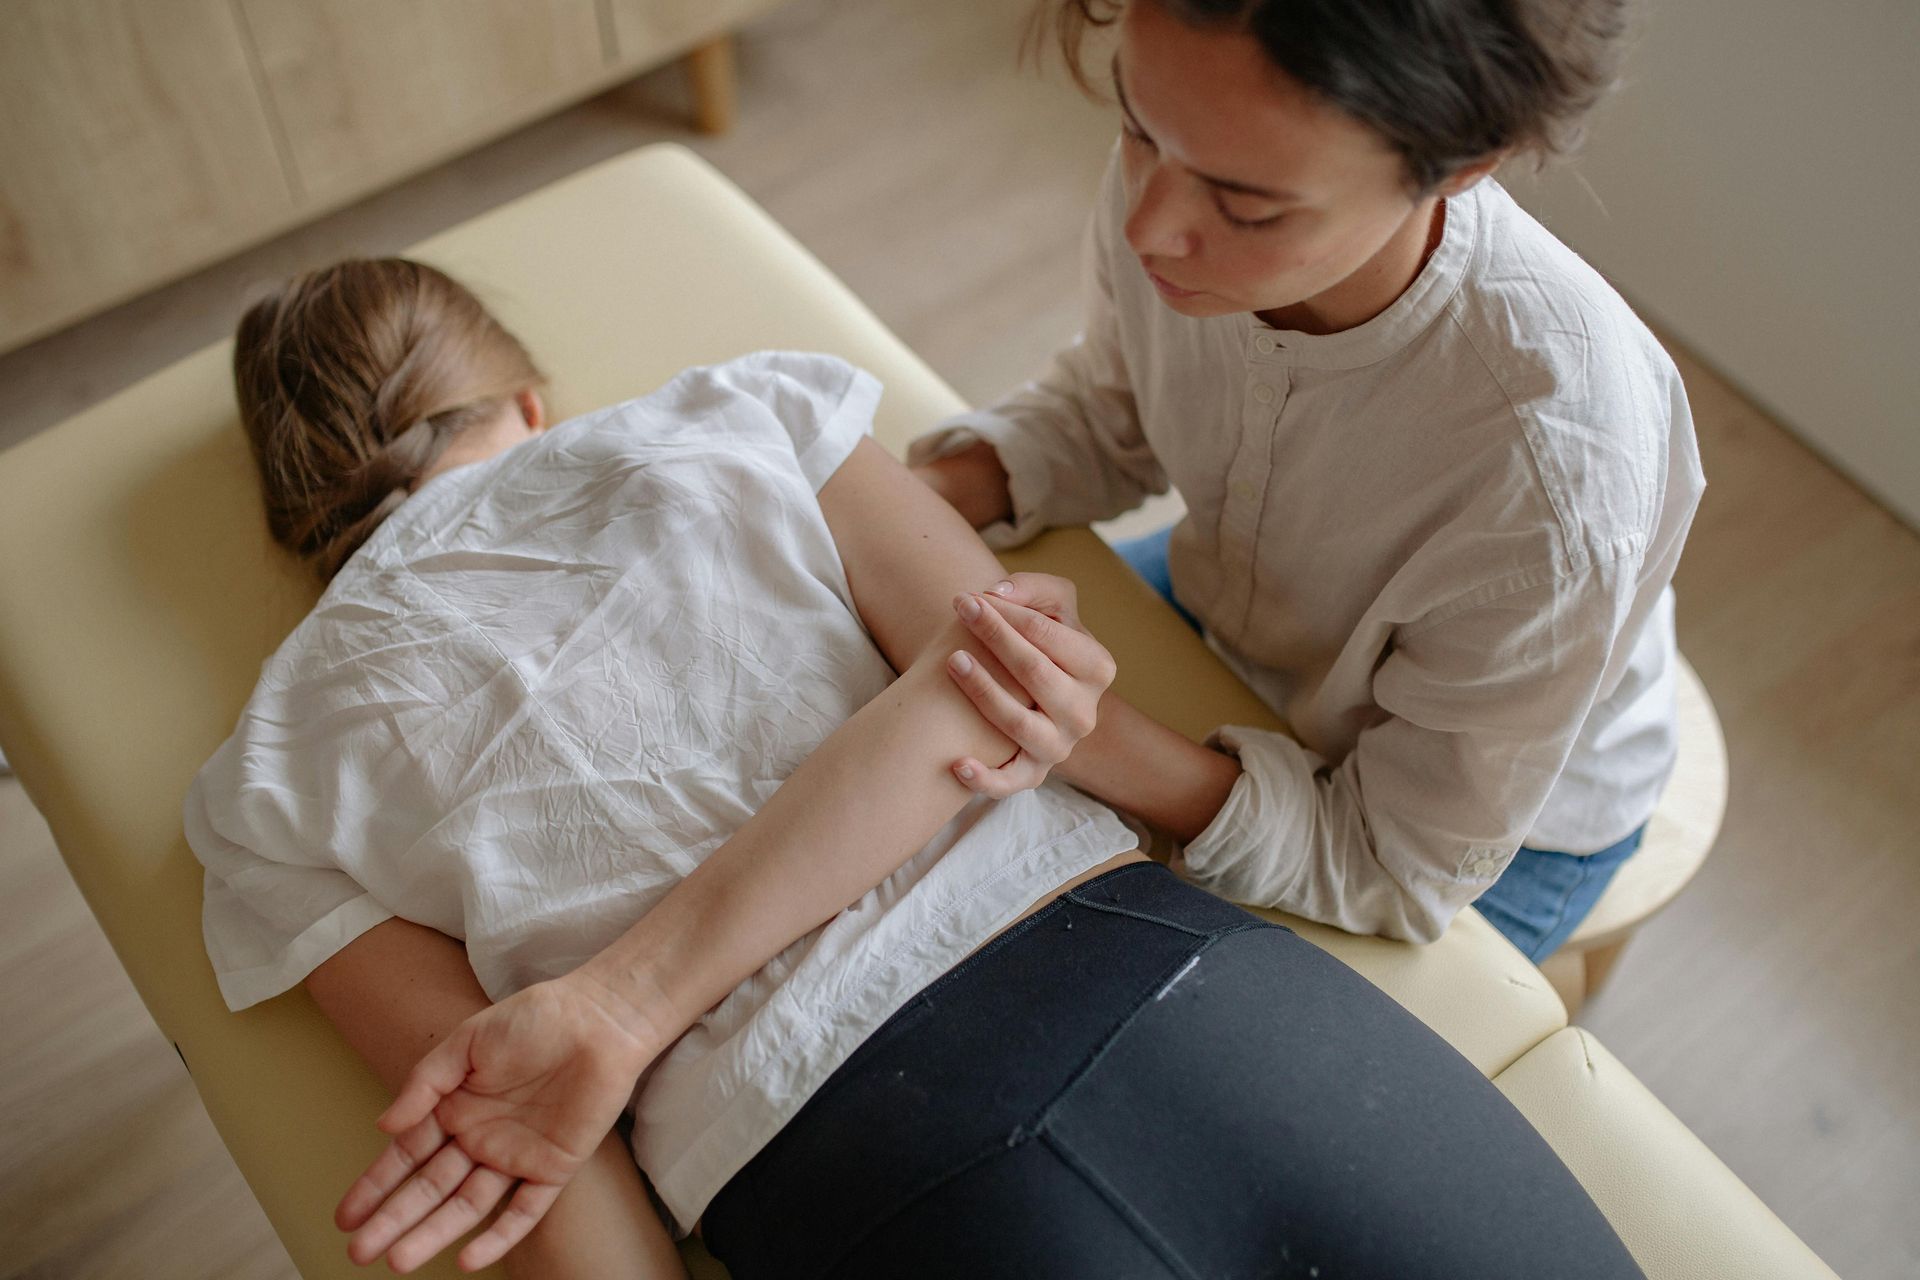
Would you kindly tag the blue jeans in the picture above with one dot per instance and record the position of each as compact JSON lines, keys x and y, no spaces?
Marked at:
{"x":1542,"y":896}
{"x":1143,"y":1082}
{"x":1148,"y":557}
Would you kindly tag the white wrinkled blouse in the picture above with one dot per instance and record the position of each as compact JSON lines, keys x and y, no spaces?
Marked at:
{"x":548,"y":687}
{"x":1439,"y":544}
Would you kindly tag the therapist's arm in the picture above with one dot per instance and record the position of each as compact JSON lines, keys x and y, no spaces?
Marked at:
{"x":1134,"y":763}
{"x":394,"y":993}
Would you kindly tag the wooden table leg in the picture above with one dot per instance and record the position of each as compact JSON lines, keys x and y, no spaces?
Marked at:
{"x":1577,"y":976}
{"x":710,"y":72}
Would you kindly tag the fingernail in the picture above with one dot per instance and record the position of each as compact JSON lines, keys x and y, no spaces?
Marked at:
{"x":1003,"y":588}
{"x":966,"y":772}
{"x":969,"y":608}
{"x":961,"y":663}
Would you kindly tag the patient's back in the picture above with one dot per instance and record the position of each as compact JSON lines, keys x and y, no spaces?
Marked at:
{"x":552,"y":683}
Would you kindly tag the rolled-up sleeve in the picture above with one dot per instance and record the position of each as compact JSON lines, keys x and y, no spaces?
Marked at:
{"x":1481,"y":702}
{"x":1070,"y":440}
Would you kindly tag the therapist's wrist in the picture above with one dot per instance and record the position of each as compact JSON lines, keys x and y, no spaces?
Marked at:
{"x":973,"y":482}
{"x":1133,"y":762}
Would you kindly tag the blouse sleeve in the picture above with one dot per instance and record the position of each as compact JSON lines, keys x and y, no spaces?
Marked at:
{"x":824,"y":404}
{"x":267,"y":924}
{"x":1483,"y":702}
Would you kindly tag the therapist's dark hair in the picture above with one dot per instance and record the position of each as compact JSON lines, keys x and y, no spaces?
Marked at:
{"x":352,"y":380}
{"x":1444,"y":82}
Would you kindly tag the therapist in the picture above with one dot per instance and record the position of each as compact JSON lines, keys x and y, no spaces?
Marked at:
{"x":1437,"y":474}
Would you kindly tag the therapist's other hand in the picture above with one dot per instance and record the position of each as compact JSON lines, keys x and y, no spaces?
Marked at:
{"x":972,"y":481}
{"x":520,"y":1094}
{"x":1031,"y":623}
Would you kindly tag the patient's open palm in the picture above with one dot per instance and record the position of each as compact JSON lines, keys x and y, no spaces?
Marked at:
{"x":521,"y":1092}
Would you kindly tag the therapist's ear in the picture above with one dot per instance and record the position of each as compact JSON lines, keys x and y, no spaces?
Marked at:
{"x":532,"y":408}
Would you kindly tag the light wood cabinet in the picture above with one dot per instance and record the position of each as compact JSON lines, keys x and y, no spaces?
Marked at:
{"x":131,"y":134}
{"x":639,"y":25}
{"x":371,"y":89}
{"x":142,"y":139}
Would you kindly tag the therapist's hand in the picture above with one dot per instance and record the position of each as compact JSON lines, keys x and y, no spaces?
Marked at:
{"x":972,"y":481}
{"x":520,"y":1094}
{"x":1031,"y":623}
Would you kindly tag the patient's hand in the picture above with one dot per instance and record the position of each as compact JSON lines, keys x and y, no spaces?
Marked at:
{"x":1031,"y":623}
{"x":522,"y":1092}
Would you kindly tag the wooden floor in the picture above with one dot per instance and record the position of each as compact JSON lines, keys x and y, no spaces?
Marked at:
{"x":1773,"y":1007}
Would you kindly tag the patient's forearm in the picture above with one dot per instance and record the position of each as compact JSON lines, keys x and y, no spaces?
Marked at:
{"x":867,"y":799}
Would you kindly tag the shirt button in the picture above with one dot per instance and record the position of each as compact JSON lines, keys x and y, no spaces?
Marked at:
{"x":1263,"y":344}
{"x":1263,"y":393}
{"x":1244,"y":492}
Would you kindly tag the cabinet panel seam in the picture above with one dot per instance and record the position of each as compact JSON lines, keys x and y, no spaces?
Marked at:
{"x":276,"y":127}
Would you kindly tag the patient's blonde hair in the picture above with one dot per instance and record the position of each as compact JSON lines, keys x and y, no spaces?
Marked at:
{"x":352,"y":380}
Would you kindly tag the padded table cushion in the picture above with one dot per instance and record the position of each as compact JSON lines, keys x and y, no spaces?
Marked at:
{"x":142,"y":595}
{"x":1680,"y":1211}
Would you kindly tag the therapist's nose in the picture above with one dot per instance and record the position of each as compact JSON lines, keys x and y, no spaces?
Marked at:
{"x":1159,"y":221}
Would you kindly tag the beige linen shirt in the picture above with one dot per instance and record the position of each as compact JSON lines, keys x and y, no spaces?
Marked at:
{"x":1439,"y":544}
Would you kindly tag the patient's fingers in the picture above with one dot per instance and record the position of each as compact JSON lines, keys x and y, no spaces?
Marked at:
{"x":478,"y":1194}
{"x":407,"y":1152}
{"x":425,"y":1191}
{"x":529,"y":1204}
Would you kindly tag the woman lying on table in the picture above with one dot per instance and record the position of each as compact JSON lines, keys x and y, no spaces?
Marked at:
{"x":614,"y":703}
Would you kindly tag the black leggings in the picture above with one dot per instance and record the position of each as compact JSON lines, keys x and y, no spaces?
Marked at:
{"x":1141,"y":1080}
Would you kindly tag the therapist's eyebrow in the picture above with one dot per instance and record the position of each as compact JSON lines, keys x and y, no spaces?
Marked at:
{"x":1225,"y":184}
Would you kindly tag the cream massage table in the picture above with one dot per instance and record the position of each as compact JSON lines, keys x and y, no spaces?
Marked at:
{"x":139,"y":595}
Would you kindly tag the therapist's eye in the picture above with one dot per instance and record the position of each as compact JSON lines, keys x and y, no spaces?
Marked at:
{"x":1247,"y":224}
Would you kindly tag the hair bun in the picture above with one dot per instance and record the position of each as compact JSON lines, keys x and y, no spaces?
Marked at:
{"x":327,"y":365}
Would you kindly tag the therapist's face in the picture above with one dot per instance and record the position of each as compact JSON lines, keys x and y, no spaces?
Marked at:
{"x":1245,"y":192}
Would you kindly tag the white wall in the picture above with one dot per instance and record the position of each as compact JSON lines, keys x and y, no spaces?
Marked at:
{"x":1755,"y":188}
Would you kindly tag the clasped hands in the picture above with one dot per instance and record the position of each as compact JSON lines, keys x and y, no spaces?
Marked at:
{"x":510,"y":1105}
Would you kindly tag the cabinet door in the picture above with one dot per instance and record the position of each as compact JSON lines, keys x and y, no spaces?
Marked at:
{"x":133,"y":148}
{"x":368,"y":90}
{"x":645,"y":31}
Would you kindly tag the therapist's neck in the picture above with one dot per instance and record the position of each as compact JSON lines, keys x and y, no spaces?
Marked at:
{"x":1377,"y":284}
